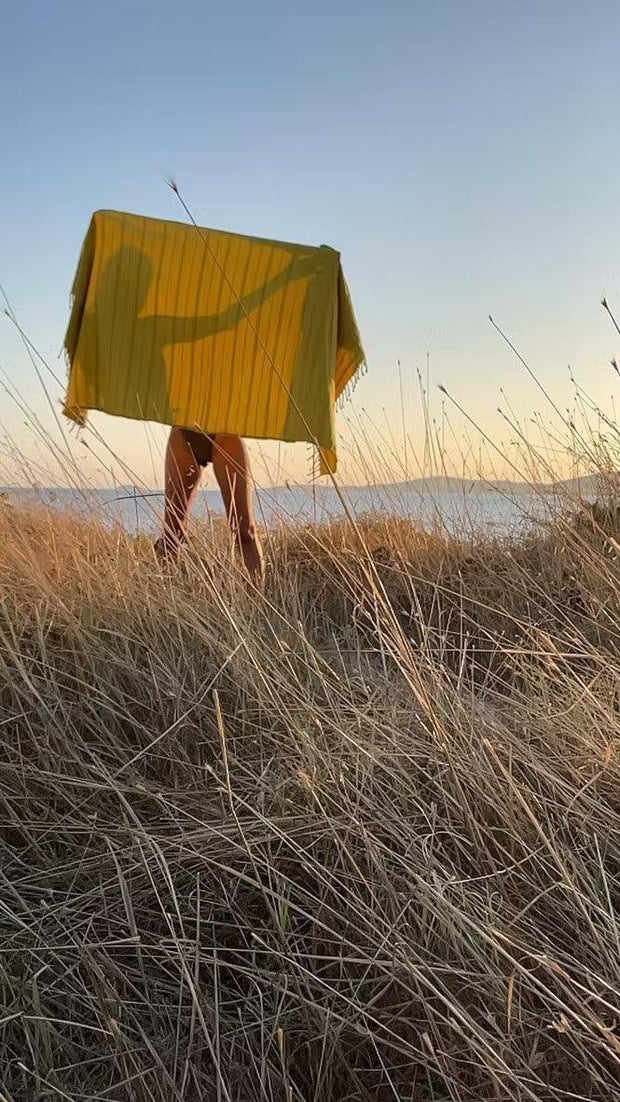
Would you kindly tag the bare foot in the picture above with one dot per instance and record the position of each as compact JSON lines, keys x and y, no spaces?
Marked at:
{"x":252,"y":555}
{"x":167,"y":549}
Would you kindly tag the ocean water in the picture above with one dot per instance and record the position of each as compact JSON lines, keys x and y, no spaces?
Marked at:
{"x":456,"y":513}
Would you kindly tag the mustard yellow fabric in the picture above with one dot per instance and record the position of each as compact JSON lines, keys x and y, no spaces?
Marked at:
{"x":211,"y":331}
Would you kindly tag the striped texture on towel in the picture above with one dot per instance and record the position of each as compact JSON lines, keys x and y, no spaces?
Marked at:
{"x":211,"y":331}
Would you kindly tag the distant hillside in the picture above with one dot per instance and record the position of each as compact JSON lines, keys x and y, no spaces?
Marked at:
{"x":441,"y":484}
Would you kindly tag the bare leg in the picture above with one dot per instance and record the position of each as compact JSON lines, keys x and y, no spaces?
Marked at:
{"x":231,"y":464}
{"x":182,"y":477}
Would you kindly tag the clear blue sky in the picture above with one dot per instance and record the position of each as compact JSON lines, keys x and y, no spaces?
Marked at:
{"x":463,"y":156}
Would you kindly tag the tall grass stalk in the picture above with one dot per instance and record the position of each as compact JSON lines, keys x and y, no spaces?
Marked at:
{"x":354,"y":838}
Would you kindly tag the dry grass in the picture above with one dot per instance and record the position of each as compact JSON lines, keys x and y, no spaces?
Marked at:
{"x":356,"y":840}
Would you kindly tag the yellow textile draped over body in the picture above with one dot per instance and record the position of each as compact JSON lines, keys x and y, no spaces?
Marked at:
{"x":211,"y":331}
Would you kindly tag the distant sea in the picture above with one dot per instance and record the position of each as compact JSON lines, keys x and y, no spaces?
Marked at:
{"x":460,"y":508}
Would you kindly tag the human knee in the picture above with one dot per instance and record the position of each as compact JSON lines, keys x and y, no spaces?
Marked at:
{"x":229,"y":448}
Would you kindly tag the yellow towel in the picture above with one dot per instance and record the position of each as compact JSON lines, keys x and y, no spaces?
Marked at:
{"x":211,"y":331}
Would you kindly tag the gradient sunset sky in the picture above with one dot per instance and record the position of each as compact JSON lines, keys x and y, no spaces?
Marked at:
{"x":463,"y":157}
